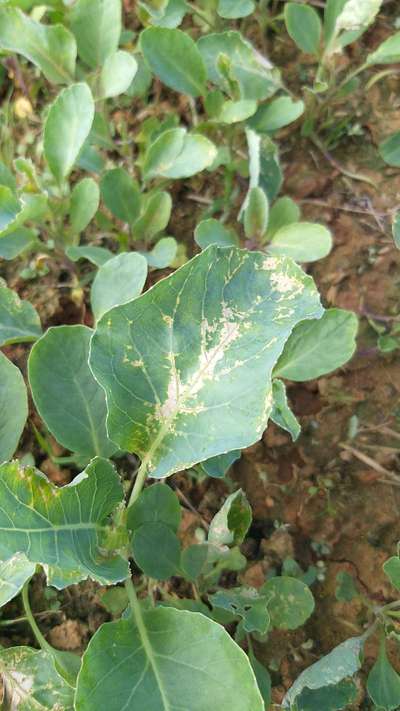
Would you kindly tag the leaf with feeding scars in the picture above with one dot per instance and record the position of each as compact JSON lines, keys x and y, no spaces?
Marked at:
{"x":64,"y":528}
{"x":14,"y":573}
{"x":179,"y":363}
{"x":174,"y":660}
{"x":32,"y":683}
{"x":342,"y":662}
{"x":231,"y":523}
{"x":247,"y":603}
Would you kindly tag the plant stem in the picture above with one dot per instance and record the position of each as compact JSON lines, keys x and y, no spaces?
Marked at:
{"x":139,"y":483}
{"x":42,"y":642}
{"x":19,"y":620}
{"x":380,"y":75}
{"x":353,"y":176}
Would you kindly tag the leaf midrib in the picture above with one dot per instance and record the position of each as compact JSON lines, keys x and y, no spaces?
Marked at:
{"x":147,"y":646}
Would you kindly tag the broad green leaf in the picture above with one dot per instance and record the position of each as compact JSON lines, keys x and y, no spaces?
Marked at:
{"x":388,"y":52}
{"x":67,"y":126}
{"x":19,"y":320}
{"x":193,"y":560}
{"x":256,"y":214}
{"x":304,"y":26}
{"x":217,"y":467}
{"x":51,"y":47}
{"x":236,"y":111}
{"x":65,"y":393}
{"x":221,"y":322}
{"x":247,"y":604}
{"x":164,"y":151}
{"x":13,"y":407}
{"x":383,"y":683}
{"x":290,"y":602}
{"x":85,"y":199}
{"x":283,"y":212}
{"x":392,"y":570}
{"x":173,"y":14}
{"x":172,"y":55}
{"x":281,"y":413}
{"x":302,"y":241}
{"x":121,"y":194}
{"x":64,"y":529}
{"x":163,"y":253}
{"x":96,"y":25}
{"x":278,"y":113}
{"x":14,"y":573}
{"x":96,"y":255}
{"x":230,"y":525}
{"x":178,"y":154}
{"x":329,"y":698}
{"x":32,"y":683}
{"x":155,"y":217}
{"x":156,"y":504}
{"x":117,"y":74}
{"x":263,"y":679}
{"x":233,"y":9}
{"x":342,"y":662}
{"x":246,"y":72}
{"x":118,"y":281}
{"x":15,"y":243}
{"x":319,"y":346}
{"x":156,"y":550}
{"x":395,"y":230}
{"x":174,"y":660}
{"x":212,"y":231}
{"x":389,"y":150}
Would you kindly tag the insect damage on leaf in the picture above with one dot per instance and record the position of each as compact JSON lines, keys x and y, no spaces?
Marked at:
{"x":64,"y":528}
{"x":179,"y":363}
